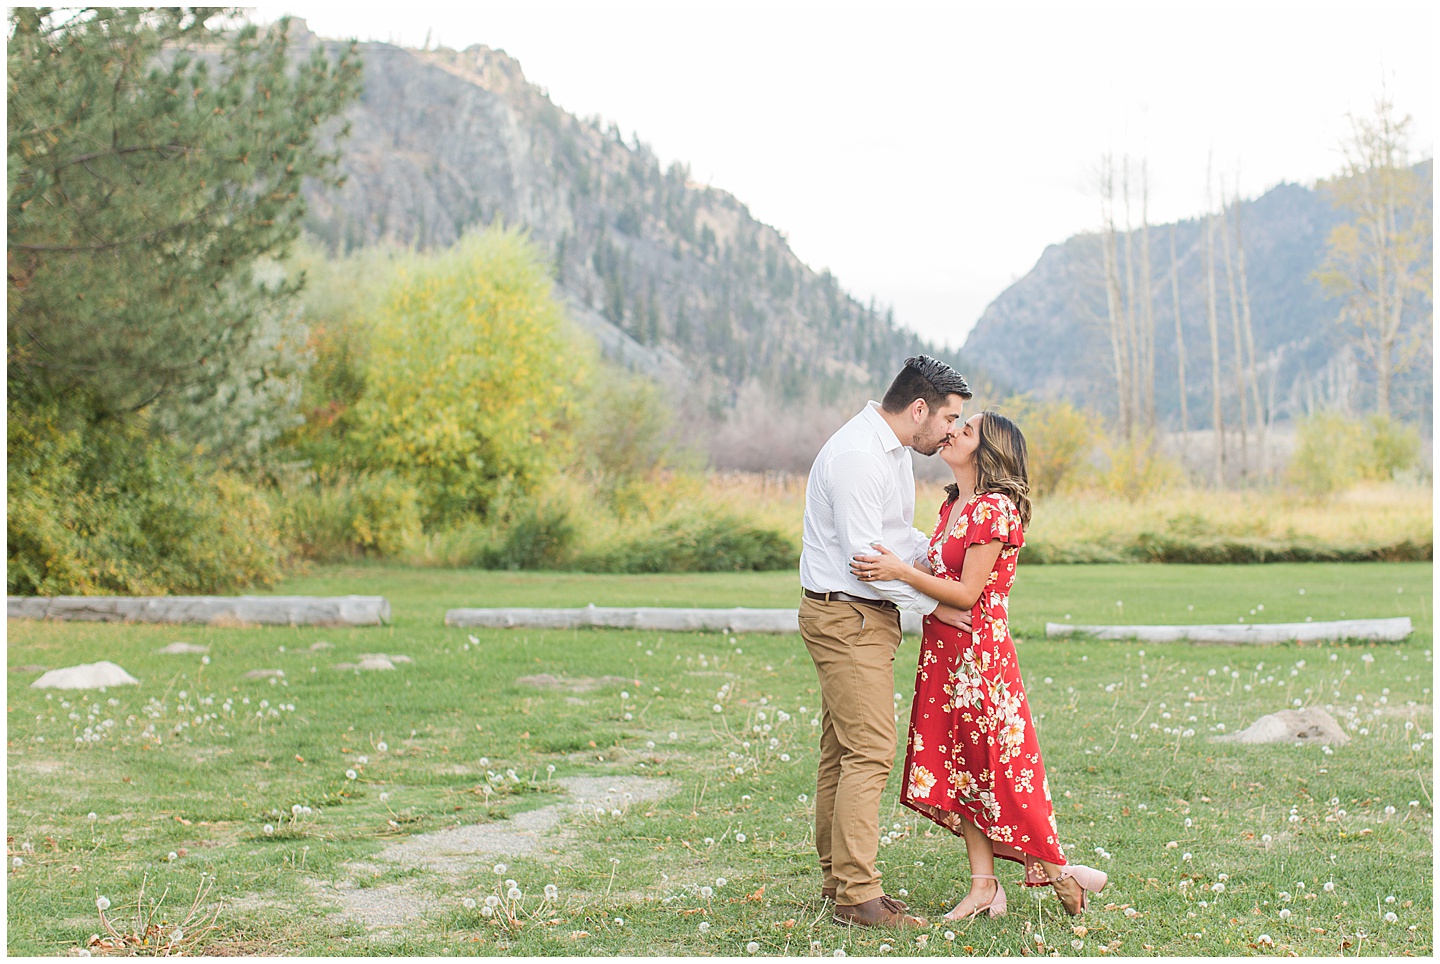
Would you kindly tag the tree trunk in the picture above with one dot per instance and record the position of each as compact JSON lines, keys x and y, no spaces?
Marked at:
{"x":1119,"y":350}
{"x":1237,"y":339}
{"x":1147,"y":372}
{"x":1131,"y":333}
{"x":1262,"y":412}
{"x":1179,"y":335}
{"x":1211,"y":320}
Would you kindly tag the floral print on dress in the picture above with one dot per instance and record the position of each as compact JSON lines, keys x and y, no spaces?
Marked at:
{"x":970,"y":720}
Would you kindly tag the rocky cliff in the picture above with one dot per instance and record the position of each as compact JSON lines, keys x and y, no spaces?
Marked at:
{"x":1047,"y":333}
{"x":676,"y":278}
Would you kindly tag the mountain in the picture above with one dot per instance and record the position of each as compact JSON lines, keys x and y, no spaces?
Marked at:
{"x":1047,"y":333}
{"x":675,"y":278}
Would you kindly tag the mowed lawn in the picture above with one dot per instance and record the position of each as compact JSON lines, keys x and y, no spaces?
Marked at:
{"x":1212,"y":848}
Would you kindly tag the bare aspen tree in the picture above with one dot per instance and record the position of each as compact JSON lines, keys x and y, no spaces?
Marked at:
{"x":1212,"y":321}
{"x":1119,"y":347}
{"x":1377,"y":262}
{"x":1237,"y":340}
{"x":1179,"y":335}
{"x":1132,"y":338}
{"x":1262,"y":412}
{"x":1147,"y":321}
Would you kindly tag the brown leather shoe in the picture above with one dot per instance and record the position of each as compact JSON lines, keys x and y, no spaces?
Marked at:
{"x":828,"y":893}
{"x":883,"y":911}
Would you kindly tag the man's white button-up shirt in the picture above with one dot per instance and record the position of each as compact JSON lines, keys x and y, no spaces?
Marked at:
{"x":861,"y":491}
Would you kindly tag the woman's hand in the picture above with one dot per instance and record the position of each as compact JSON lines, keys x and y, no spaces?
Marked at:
{"x":877,"y":568}
{"x":953,"y":616}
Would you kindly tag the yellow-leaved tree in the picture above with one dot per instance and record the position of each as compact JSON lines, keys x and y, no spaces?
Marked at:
{"x":1059,"y":438}
{"x":470,"y":377}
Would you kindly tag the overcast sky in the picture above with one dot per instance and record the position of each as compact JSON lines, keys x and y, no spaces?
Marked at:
{"x":927,"y":154}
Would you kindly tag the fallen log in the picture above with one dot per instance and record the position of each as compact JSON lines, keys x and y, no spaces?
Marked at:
{"x":208,"y":610}
{"x":663,"y":619}
{"x":1263,"y":634}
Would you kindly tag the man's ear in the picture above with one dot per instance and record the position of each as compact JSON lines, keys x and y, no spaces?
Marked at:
{"x":919,"y":411}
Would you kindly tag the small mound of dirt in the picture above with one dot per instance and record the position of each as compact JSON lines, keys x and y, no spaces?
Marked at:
{"x":577,"y":684}
{"x":181,"y":648}
{"x":264,"y":673}
{"x":1308,"y":726}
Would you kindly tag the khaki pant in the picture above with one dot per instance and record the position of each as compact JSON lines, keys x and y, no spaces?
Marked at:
{"x":853,"y":646}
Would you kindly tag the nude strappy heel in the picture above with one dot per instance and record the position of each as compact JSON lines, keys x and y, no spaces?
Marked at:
{"x":1091,"y":881}
{"x":996,"y":907}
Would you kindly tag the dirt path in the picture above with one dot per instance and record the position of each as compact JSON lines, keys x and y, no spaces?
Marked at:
{"x":463,"y":850}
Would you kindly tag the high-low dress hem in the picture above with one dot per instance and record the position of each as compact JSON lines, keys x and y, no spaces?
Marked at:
{"x":972,"y":750}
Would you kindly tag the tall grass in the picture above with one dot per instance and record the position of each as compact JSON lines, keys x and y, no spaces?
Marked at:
{"x":1375,"y":520}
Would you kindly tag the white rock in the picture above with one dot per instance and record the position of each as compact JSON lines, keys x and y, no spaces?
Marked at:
{"x":375,"y":662}
{"x":264,"y":673}
{"x":86,"y":676}
{"x":1310,"y":725}
{"x":392,"y":657}
{"x":317,"y":647}
{"x":176,"y":649}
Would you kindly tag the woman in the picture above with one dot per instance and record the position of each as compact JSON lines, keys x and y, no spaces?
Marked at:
{"x":973,"y":762}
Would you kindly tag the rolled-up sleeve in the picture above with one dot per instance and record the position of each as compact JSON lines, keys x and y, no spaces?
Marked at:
{"x":859,"y":506}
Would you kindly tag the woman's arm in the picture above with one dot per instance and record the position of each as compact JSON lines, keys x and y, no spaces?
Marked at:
{"x":979,"y":561}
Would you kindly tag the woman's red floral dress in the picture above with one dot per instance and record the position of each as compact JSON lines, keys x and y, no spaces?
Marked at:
{"x":973,"y":749}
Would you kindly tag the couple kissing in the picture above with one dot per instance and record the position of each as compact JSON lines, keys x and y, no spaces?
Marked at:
{"x":972,"y":761}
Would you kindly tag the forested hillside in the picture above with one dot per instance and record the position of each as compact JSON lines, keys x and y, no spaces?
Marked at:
{"x":675,"y":277}
{"x":1047,"y":332}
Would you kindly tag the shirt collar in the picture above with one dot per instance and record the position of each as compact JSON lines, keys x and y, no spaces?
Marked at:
{"x":888,"y":438}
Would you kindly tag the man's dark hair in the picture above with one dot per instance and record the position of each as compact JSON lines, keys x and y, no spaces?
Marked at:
{"x":924,"y":377}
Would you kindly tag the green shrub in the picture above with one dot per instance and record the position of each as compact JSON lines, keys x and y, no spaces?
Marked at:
{"x":469,"y":376}
{"x":96,"y":510}
{"x":1138,"y":469}
{"x":1334,"y":452}
{"x":1394,"y":448}
{"x":698,"y":543}
{"x":369,"y":514}
{"x":541,"y":535}
{"x":1329,"y":454}
{"x":1059,"y":439}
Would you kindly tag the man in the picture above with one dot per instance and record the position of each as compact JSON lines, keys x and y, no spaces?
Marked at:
{"x":861,"y":491}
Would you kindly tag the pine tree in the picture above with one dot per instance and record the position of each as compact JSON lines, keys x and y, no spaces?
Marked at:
{"x":155,"y":165}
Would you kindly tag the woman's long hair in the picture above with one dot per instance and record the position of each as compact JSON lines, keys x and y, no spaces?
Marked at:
{"x":1001,"y":463}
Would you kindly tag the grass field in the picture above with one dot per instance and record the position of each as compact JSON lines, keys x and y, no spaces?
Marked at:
{"x":1213,"y":845}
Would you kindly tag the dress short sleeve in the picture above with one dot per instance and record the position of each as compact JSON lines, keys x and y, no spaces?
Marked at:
{"x":993,"y":516}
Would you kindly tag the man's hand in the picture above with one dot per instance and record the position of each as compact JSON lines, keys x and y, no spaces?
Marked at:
{"x":951,"y":616}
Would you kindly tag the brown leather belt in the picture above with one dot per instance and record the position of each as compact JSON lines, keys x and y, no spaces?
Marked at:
{"x":846,"y":597}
